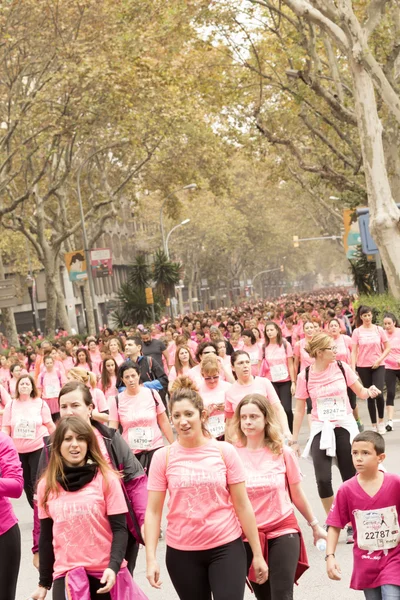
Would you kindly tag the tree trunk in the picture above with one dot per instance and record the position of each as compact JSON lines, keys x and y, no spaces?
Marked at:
{"x":384,"y":215}
{"x":89,"y":309}
{"x":51,"y":302}
{"x":62,"y":315}
{"x":7,"y":316}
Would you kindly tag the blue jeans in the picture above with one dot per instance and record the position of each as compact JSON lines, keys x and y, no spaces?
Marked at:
{"x":384,"y":592}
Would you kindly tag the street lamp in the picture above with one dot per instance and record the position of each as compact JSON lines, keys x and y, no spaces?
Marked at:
{"x":31,"y":283}
{"x":169,"y":235}
{"x":190,"y":186}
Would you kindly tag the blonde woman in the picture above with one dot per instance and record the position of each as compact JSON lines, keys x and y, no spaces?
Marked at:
{"x":100,"y":411}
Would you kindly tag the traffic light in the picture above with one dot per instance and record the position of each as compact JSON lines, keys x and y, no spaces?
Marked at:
{"x":296,"y":241}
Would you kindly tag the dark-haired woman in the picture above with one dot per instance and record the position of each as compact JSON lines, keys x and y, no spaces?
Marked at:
{"x":207,"y":501}
{"x":370,"y":348}
{"x":11,"y":486}
{"x":108,"y":378}
{"x":279,"y":367}
{"x":392,"y":365}
{"x":83,"y":532}
{"x":253,"y":350}
{"x":83,"y":360}
{"x":141,"y":414}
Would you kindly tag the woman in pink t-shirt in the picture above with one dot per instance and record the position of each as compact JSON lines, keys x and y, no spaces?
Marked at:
{"x":212,"y":390}
{"x":115,"y":349}
{"x":370,"y":348}
{"x":278,"y":367}
{"x":15,"y":372}
{"x":5,"y":374}
{"x":141,"y":414}
{"x":95,"y":356}
{"x":273,"y":483}
{"x":253,"y":350}
{"x":333,"y":425}
{"x":108,"y":379}
{"x":247,"y":384}
{"x":101,"y":410}
{"x":207,"y":508}
{"x":11,"y":486}
{"x":27,"y":420}
{"x":82,"y":510}
{"x":83,"y":360}
{"x":183,"y":363}
{"x":392,"y":364}
{"x":50,"y":382}
{"x":301,"y":357}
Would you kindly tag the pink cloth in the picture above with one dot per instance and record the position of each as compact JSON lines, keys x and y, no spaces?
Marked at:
{"x":370,"y":569}
{"x":277,"y":356}
{"x":200,"y":511}
{"x":11,"y":482}
{"x":27,"y":419}
{"x":50,"y":384}
{"x":343,"y":344}
{"x":266,"y":485}
{"x":330,"y":383}
{"x":138,"y":418}
{"x":237,"y":391}
{"x":96,"y":360}
{"x":99,"y":399}
{"x":125,"y":588}
{"x":393,"y":358}
{"x":82,"y":533}
{"x":369,"y":342}
{"x":299,"y":351}
{"x":255,"y":354}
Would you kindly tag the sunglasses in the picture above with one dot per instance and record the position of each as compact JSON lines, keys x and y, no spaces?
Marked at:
{"x":209,"y":352}
{"x":333,"y":348}
{"x":211,"y":378}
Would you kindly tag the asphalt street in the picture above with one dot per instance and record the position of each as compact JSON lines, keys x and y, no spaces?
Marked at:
{"x":313,"y":585}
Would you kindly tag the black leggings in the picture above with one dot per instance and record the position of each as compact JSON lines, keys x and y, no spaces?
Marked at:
{"x":145,"y":457}
{"x":375,"y":377}
{"x":390,"y":379}
{"x":323,"y":463}
{"x":30,"y":463}
{"x":10,"y":553}
{"x":283,"y":389}
{"x":59,"y":589}
{"x":195,"y":574}
{"x":283,"y":556}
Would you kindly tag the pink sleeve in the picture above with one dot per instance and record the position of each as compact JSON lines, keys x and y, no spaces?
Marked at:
{"x":100,"y":400}
{"x":292,"y":466}
{"x":272,"y":396}
{"x":228,"y":407}
{"x":234,"y":466}
{"x":157,"y":476}
{"x":45,"y":412}
{"x":172,"y":374}
{"x":339,"y":514}
{"x":296,"y":349}
{"x":289,"y":350}
{"x":383,"y":334}
{"x":5,"y":396}
{"x":351,"y":377}
{"x":301,"y":388}
{"x":114,"y":496}
{"x":7,"y":415}
{"x":113,"y":411}
{"x":11,"y":480}
{"x":160,"y":408}
{"x":354,"y":337}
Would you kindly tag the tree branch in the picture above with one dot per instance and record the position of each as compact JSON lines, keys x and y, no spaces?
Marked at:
{"x":376,"y":10}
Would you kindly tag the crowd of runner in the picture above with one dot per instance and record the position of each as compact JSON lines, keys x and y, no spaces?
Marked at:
{"x":96,"y":431}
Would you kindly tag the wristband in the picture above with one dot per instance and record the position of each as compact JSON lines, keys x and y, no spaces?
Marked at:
{"x":328,"y":555}
{"x":313,"y":522}
{"x":293,"y":442}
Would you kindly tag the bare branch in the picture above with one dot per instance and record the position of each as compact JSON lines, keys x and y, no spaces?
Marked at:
{"x":376,"y":10}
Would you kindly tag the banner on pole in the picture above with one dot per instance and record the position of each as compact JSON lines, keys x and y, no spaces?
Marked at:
{"x":76,"y":265}
{"x":101,"y":262}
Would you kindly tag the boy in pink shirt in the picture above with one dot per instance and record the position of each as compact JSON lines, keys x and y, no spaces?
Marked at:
{"x":371,"y":501}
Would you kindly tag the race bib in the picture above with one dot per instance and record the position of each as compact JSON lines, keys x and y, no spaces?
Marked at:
{"x":331,"y":409}
{"x":279,"y":372}
{"x":216,"y":425}
{"x":377,"y":529}
{"x":51,"y":391}
{"x":140,"y":438}
{"x":254,"y":358}
{"x":25,"y":429}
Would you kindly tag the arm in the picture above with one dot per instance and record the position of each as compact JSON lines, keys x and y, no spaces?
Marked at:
{"x":303,"y":506}
{"x":119,"y":541}
{"x":11,"y":480}
{"x":299,"y":411}
{"x":159,"y":375}
{"x":228,"y":437}
{"x":245,"y":514}
{"x":363,"y":392}
{"x":50,"y":427}
{"x":165,"y":426}
{"x":296,"y":363}
{"x":332,"y":566}
{"x":101,"y":417}
{"x":228,"y":374}
{"x":152,"y":523}
{"x":292,"y":374}
{"x":382,"y":356}
{"x":354,"y":351}
{"x":280,"y":413}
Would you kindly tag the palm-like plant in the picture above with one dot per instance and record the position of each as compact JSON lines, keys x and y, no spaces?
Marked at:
{"x":139,"y":272}
{"x":364,"y":273}
{"x":133,"y":306}
{"x":166,"y":273}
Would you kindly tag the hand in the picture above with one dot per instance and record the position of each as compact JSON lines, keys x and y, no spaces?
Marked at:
{"x":108,"y":579}
{"x":376,"y":364}
{"x":211,"y":409}
{"x":38,"y":594}
{"x":373,"y":391}
{"x":296,"y":448}
{"x":293,"y":388}
{"x":35,"y":560}
{"x":333,"y":569}
{"x":142,"y":532}
{"x":260,"y":569}
{"x":288,"y":436}
{"x":319,"y":533}
{"x":153,"y":574}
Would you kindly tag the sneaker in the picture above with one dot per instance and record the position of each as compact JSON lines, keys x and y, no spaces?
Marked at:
{"x":389,"y":425}
{"x":349,"y":535}
{"x":381,"y":428}
{"x":374,"y":428}
{"x":360,"y":425}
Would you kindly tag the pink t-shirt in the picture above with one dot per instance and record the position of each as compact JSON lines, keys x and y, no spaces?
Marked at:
{"x":343,"y":344}
{"x":4,"y":399}
{"x":172,"y":375}
{"x":200,"y":511}
{"x":259,"y":385}
{"x":369,"y":342}
{"x":96,"y":359}
{"x":82,"y":533}
{"x":99,"y":399}
{"x":51,"y":383}
{"x":27,"y":419}
{"x":111,"y":390}
{"x":371,"y":568}
{"x":267,"y":475}
{"x":393,"y":358}
{"x":119,"y":359}
{"x":327,"y":391}
{"x":68,"y":363}
{"x":11,"y":482}
{"x":300,"y":351}
{"x":255,"y":354}
{"x":171,"y":351}
{"x":216,"y":420}
{"x":138,"y":418}
{"x":276,"y":360}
